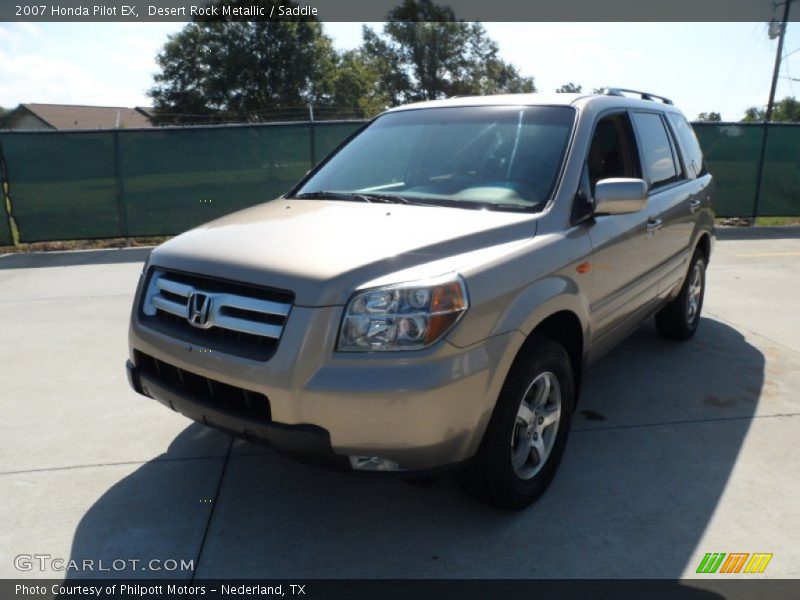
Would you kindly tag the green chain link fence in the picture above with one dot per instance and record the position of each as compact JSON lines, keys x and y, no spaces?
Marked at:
{"x":148,"y":182}
{"x":733,"y":155}
{"x":63,"y":185}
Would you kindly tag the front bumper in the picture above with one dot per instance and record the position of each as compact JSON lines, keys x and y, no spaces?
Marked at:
{"x":305,"y":442}
{"x":424,"y":410}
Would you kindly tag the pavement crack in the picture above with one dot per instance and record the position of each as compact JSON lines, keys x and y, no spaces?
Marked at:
{"x":684,"y":422}
{"x":751,"y":332}
{"x":109,"y":464}
{"x":211,"y":512}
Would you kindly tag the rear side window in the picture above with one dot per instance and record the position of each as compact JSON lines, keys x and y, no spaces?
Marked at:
{"x":657,"y":156}
{"x":690,"y":147}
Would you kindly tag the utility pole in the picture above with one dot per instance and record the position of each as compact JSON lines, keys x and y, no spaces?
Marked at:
{"x":778,"y":55}
{"x":312,"y":145}
{"x":771,"y":103}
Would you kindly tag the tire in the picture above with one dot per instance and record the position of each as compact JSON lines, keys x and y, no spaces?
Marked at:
{"x":679,"y":319}
{"x":497,"y":475}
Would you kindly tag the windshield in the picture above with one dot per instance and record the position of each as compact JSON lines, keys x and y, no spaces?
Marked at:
{"x":506,"y":158}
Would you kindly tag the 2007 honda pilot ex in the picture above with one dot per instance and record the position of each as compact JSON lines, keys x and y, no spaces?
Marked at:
{"x":430,"y":294}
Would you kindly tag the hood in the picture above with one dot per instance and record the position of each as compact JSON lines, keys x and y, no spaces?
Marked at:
{"x":323,"y":250}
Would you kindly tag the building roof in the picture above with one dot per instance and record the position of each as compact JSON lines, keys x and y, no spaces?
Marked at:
{"x":68,"y":116}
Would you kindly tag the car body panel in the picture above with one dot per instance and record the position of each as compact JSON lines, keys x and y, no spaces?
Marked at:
{"x":342,"y":245}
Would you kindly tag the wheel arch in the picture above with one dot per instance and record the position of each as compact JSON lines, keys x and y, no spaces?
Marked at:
{"x":566,"y":328}
{"x":704,"y":245}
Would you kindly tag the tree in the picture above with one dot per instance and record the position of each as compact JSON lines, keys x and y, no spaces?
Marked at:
{"x":785,"y":111}
{"x":355,"y":86}
{"x":426,"y":53}
{"x":570,"y":88}
{"x":753,"y":114}
{"x":252,"y":71}
{"x":709,"y":116}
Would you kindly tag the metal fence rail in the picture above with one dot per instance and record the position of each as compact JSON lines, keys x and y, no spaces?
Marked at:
{"x":63,"y":185}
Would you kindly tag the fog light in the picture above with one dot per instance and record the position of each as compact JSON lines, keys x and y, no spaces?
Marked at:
{"x":374,"y":463}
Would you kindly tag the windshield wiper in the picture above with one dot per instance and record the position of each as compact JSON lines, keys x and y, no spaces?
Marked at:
{"x":510,"y":207}
{"x":385,"y":198}
{"x":360,"y":196}
{"x":326,"y":195}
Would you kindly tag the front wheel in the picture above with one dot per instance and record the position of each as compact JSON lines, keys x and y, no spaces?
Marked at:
{"x":526,"y":437}
{"x":679,"y":319}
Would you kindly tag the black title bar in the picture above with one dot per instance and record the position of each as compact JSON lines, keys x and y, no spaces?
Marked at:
{"x":377,"y":10}
{"x":708,"y":588}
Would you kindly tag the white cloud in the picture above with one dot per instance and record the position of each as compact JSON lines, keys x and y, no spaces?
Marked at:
{"x":34,"y":78}
{"x":30,"y":29}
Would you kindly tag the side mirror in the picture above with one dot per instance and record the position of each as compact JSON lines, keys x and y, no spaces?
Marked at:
{"x":619,"y":196}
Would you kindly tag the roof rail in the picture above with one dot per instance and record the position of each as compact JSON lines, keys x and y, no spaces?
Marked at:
{"x":643,"y":95}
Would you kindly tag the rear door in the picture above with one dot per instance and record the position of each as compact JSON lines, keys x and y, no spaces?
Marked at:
{"x":682,"y":222}
{"x":672,"y":190}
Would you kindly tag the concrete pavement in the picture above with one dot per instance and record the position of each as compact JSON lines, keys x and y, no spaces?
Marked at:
{"x":677,"y":450}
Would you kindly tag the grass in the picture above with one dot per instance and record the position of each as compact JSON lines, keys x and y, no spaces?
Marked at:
{"x":84,"y":244}
{"x":776,"y":221}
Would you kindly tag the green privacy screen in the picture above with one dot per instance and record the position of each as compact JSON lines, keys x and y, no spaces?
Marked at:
{"x":62,"y":185}
{"x":161,"y":181}
{"x":780,"y":182}
{"x":733,"y":152}
{"x":5,"y":234}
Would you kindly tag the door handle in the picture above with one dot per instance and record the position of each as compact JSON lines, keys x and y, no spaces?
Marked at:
{"x":653,"y":225}
{"x":694,"y":205}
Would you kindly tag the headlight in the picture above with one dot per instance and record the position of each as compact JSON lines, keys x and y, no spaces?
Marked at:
{"x":407,"y":316}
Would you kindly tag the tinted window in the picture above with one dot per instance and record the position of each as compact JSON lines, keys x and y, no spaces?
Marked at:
{"x":690,"y":147}
{"x":656,"y":150}
{"x":612,"y":151}
{"x":470,"y":156}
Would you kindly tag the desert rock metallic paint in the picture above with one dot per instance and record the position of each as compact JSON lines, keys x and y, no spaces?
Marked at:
{"x":430,"y":407}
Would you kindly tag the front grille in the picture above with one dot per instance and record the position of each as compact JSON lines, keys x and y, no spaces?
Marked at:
{"x":224,"y":316}
{"x":208,"y":391}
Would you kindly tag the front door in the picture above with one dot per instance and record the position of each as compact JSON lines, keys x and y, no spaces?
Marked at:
{"x":625,"y":282}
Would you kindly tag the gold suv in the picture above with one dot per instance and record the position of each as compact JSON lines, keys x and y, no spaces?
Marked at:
{"x":429,"y":295}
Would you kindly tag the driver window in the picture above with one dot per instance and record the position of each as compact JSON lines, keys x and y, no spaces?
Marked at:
{"x":612,"y":151}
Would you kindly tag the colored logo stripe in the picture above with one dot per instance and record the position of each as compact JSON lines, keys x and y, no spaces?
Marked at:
{"x":734,"y":562}
{"x":713,"y":562}
{"x":758,"y":562}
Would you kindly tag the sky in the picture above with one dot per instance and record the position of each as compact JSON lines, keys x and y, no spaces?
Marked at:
{"x":720,"y":67}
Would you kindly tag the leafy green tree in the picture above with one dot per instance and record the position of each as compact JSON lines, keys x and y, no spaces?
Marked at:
{"x":425,"y":53}
{"x":355,"y":86}
{"x":709,"y":116}
{"x":240,"y":70}
{"x":570,"y":88}
{"x":785,"y":111}
{"x":753,"y":114}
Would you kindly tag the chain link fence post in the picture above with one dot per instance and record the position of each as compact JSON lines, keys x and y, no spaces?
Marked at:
{"x":760,"y":171}
{"x":5,"y":187}
{"x":313,"y":136}
{"x":122,"y":209}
